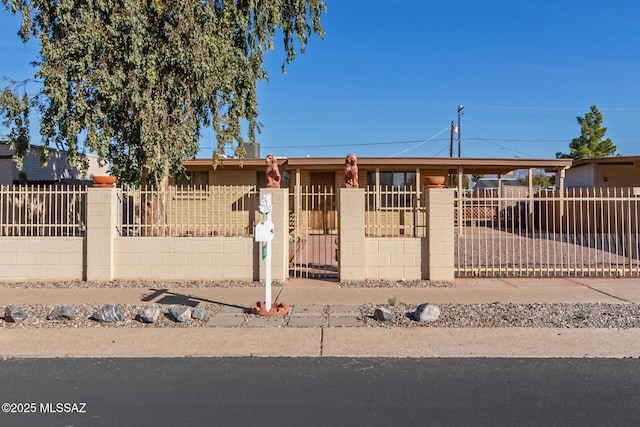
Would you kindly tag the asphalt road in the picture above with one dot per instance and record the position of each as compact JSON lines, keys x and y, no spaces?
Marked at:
{"x":319,"y":392}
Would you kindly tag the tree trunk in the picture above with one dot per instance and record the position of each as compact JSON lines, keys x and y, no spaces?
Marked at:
{"x":153,"y":206}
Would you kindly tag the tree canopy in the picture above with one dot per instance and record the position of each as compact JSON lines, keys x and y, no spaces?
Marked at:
{"x":540,"y":180}
{"x":590,"y":143}
{"x":135,"y":81}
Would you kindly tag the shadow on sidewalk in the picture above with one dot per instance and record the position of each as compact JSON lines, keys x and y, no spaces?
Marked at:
{"x":169,"y":298}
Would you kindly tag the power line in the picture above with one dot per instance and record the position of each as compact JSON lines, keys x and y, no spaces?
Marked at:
{"x":423,"y":142}
{"x":340,"y":145}
{"x":517,"y":140}
{"x":505,"y":108}
{"x":368,"y":144}
{"x":500,"y":146}
{"x":497,"y":108}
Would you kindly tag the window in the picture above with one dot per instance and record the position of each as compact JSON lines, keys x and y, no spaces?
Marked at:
{"x":395,"y":188}
{"x":392,"y":180}
{"x":193,"y":179}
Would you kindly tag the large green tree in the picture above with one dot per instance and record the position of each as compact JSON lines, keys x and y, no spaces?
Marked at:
{"x":135,"y":81}
{"x":590,"y":143}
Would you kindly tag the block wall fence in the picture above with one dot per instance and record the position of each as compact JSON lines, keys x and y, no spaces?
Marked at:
{"x":103,"y":255}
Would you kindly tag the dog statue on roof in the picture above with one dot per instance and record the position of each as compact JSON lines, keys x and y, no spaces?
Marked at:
{"x":273,"y":173}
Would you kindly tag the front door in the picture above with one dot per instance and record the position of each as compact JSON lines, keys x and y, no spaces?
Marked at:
{"x":322,"y":212}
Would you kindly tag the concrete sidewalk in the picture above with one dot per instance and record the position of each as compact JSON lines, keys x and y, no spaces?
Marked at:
{"x":314,"y":338}
{"x":302,"y":291}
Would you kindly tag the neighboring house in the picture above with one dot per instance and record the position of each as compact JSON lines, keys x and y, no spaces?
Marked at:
{"x":611,"y":172}
{"x":491,"y":183}
{"x":57,"y":169}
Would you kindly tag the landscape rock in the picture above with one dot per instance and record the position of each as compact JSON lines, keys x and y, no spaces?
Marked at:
{"x":180,"y":314}
{"x":427,"y":313}
{"x":14,"y":314}
{"x":149,"y":314}
{"x":200,"y":314}
{"x":382,"y":314}
{"x":109,"y":313}
{"x":66,"y":312}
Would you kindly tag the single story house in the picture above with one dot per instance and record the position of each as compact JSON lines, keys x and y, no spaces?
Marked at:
{"x":319,"y":178}
{"x":605,"y":172}
{"x":329,"y":171}
{"x":57,"y":169}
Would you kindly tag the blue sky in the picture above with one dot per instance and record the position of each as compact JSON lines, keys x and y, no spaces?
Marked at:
{"x":389,"y":76}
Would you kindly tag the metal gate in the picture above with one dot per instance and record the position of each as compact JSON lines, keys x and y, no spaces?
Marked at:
{"x":515,"y":232}
{"x":313,"y":233}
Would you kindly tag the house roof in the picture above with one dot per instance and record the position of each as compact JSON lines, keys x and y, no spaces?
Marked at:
{"x":618,"y":160}
{"x":437,"y":165}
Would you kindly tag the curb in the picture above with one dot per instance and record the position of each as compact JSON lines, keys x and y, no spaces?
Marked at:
{"x":321,"y":342}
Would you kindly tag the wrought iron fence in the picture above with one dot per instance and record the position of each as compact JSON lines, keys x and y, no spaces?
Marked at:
{"x":392,"y":211}
{"x":576,"y":232}
{"x":48,"y":210}
{"x":213,"y":210}
{"x":313,"y":232}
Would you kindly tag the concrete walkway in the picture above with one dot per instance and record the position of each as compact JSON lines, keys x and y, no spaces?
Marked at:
{"x":310,"y":337}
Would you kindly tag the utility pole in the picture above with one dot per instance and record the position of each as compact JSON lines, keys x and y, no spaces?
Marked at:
{"x":460,"y":108}
{"x":453,"y":130}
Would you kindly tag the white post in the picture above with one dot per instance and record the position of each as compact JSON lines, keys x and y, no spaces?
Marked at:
{"x":264,"y":233}
{"x":267,"y":278}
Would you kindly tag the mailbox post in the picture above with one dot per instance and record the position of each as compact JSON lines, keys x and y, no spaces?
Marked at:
{"x":264,"y":234}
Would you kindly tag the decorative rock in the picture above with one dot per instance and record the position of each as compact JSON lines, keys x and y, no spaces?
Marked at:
{"x":149,"y":314}
{"x":427,"y":313}
{"x":14,"y":314}
{"x":108,"y":313}
{"x":66,"y":312}
{"x":382,"y":314}
{"x":180,"y":314}
{"x":200,"y":314}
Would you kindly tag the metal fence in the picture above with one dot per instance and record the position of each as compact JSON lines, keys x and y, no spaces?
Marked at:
{"x":313,"y":232}
{"x":547,"y":233}
{"x":49,"y":210}
{"x":395,"y":212}
{"x":188,"y":211}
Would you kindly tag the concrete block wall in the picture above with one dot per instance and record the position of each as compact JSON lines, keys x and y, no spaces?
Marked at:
{"x":440,"y":244}
{"x":176,"y":258}
{"x":102,"y":220}
{"x":41,"y":258}
{"x":103,"y":255}
{"x":241,"y":177}
{"x":232,"y":207}
{"x":394,"y":258}
{"x":351,"y":243}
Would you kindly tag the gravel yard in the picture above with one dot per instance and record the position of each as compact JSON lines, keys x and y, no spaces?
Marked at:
{"x":583,"y":315}
{"x":37,"y":317}
{"x":592,"y":315}
{"x":494,"y":315}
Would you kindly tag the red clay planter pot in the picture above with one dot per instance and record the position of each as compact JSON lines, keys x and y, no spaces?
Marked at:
{"x":104,"y":181}
{"x":433,"y":181}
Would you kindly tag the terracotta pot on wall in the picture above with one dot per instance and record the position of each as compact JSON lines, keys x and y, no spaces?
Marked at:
{"x":104,"y":181}
{"x":433,"y":181}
